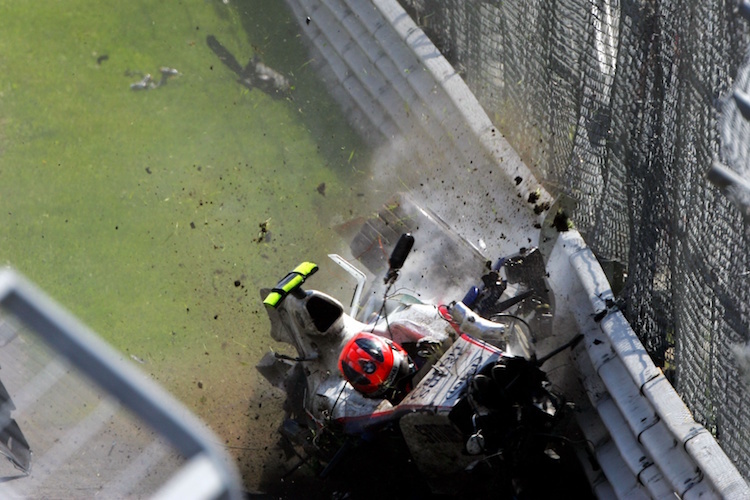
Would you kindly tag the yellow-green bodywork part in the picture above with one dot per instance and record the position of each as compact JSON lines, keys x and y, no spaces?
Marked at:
{"x":289,"y":283}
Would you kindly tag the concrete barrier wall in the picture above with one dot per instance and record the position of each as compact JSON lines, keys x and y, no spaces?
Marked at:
{"x":398,"y":89}
{"x":664,"y":449}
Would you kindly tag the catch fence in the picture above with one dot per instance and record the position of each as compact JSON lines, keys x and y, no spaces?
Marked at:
{"x":622,"y":107}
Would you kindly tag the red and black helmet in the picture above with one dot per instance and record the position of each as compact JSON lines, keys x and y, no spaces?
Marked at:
{"x":374,"y":365}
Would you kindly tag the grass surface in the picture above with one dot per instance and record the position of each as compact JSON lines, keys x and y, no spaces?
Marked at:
{"x":140,"y":211}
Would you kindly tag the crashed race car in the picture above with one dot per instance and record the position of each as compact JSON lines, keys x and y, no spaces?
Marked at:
{"x":452,"y":395}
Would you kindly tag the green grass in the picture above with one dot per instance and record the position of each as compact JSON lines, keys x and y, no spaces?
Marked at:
{"x":139,"y":211}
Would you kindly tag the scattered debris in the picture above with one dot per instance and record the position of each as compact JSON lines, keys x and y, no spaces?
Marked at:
{"x":264,"y":77}
{"x":610,"y":306}
{"x":148,"y":83}
{"x":254,"y":74}
{"x":166,"y":73}
{"x":263,"y":233}
{"x":137,"y":359}
{"x":538,"y":209}
{"x":145,"y":84}
{"x":562,"y":222}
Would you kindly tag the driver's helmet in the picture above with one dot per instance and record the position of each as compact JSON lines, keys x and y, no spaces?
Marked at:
{"x":375,"y":366}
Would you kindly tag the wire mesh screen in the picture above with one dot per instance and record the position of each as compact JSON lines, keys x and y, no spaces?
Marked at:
{"x":81,"y":443}
{"x":614,"y":102}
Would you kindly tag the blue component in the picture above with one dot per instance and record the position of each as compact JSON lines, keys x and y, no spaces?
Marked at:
{"x":500,"y":263}
{"x":471,"y":296}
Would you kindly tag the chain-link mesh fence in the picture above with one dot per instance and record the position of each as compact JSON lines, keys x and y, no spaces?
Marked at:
{"x":615,"y":103}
